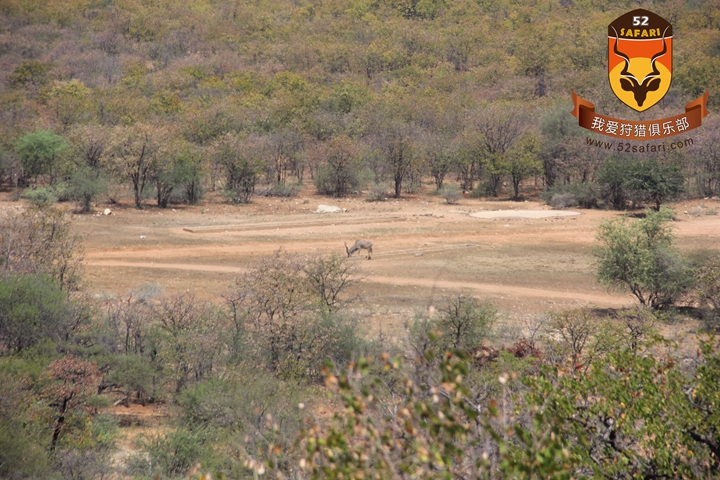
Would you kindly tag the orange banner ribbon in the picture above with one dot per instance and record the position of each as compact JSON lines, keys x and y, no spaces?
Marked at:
{"x":695,"y":111}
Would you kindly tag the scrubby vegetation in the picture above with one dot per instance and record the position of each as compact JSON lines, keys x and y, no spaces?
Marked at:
{"x":579,"y":394}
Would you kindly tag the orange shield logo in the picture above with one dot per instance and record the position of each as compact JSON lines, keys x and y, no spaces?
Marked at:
{"x":640,"y":58}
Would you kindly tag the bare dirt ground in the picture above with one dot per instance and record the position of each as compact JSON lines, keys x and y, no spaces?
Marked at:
{"x":424,"y":249}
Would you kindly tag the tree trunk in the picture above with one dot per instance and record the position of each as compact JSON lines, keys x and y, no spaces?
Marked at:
{"x":59,"y":423}
{"x":516,"y":185}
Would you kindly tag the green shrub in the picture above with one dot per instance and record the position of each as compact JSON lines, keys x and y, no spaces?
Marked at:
{"x":33,"y":308}
{"x":583,"y":195}
{"x":377,"y":192}
{"x":281,"y":190}
{"x":340,"y":173}
{"x":38,"y":152}
{"x":244,"y":413}
{"x":41,"y":196}
{"x":176,"y":452}
{"x":330,"y":180}
{"x":134,"y":375}
{"x":451,"y":194}
{"x":639,"y":257}
{"x":461,"y":323}
{"x":85,"y":185}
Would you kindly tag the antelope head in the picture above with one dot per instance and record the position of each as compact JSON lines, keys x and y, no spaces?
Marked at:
{"x":630,"y":83}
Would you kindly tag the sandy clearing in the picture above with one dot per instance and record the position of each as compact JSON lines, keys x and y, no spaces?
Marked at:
{"x":480,"y":288}
{"x":524,"y":214}
{"x":527,"y":257}
{"x":251,"y":227}
{"x":165,"y":266}
{"x":505,"y":290}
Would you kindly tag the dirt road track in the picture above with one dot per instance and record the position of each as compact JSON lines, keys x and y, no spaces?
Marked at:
{"x":480,"y":288}
{"x":505,"y":290}
{"x":165,"y":266}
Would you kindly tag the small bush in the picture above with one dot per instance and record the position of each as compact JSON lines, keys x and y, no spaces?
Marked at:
{"x":696,"y":211}
{"x":189,"y":194}
{"x":335,"y":182}
{"x":280,"y":190}
{"x":41,"y":196}
{"x":33,"y":308}
{"x":178,"y":451}
{"x":413,"y":184}
{"x":583,"y":195}
{"x":478,"y":192}
{"x":709,"y":320}
{"x":450,"y":193}
{"x":462,"y":323}
{"x":563,"y":200}
{"x":639,"y":257}
{"x":377,"y":192}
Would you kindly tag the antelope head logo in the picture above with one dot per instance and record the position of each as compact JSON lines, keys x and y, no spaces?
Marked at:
{"x":630,"y":83}
{"x":640,"y":68}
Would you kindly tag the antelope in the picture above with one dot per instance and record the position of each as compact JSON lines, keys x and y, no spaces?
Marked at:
{"x":650,"y":83}
{"x":359,"y":245}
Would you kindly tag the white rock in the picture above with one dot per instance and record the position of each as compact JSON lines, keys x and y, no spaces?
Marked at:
{"x":327,"y":209}
{"x":107,"y":211}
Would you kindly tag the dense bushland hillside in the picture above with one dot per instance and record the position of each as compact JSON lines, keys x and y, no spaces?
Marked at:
{"x":175,"y":98}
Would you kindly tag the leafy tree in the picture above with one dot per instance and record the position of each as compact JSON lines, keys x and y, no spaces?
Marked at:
{"x":287,"y":308}
{"x":560,"y":140}
{"x":67,"y":384}
{"x":708,"y":162}
{"x":611,"y":177}
{"x":656,"y":181}
{"x":241,"y":158}
{"x":188,"y":340}
{"x":282,"y":149}
{"x":32,"y":309}
{"x":38,"y":152}
{"x":440,"y":153}
{"x":639,"y":257}
{"x":396,"y":142}
{"x":39,"y":241}
{"x":134,"y":149}
{"x":22,"y":452}
{"x":30,"y":72}
{"x":69,"y":101}
{"x":464,"y":322}
{"x":499,"y":131}
{"x":85,"y":185}
{"x":89,"y":151}
{"x":340,"y":172}
{"x":524,"y":161}
{"x":177,"y":165}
